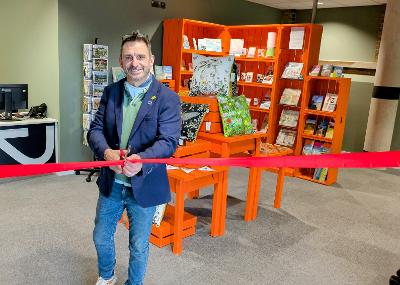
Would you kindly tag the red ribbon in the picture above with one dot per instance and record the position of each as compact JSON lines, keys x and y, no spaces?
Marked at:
{"x":343,"y":160}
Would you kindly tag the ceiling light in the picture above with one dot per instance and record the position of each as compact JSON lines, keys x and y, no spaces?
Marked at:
{"x":320,"y":3}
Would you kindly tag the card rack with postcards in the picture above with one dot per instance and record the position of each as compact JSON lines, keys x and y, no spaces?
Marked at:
{"x":322,"y":122}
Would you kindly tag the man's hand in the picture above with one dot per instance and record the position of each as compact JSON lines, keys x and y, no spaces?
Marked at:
{"x":111,"y":154}
{"x":130,"y":168}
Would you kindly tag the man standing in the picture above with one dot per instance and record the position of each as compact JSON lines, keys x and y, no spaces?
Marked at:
{"x":141,"y":117}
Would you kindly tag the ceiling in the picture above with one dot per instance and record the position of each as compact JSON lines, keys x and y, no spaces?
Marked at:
{"x":308,"y":4}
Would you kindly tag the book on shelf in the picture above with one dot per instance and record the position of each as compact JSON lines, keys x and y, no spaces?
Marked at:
{"x":236,"y":47}
{"x":266,"y":101}
{"x":286,"y":137}
{"x":159,"y":72}
{"x":264,"y":123}
{"x":293,"y":70}
{"x":167,"y":72}
{"x":308,"y":146}
{"x":321,"y":128}
{"x":326,"y":70}
{"x":310,"y":125}
{"x":213,"y":45}
{"x":186,"y":44}
{"x":194,"y":44}
{"x":330,"y":130}
{"x":315,"y":70}
{"x":290,"y":96}
{"x":261,"y":52}
{"x":296,"y":38}
{"x":289,"y":118}
{"x":251,"y":52}
{"x":320,"y":174}
{"x":249,"y":76}
{"x":201,"y":44}
{"x":330,"y":102}
{"x":316,"y":102}
{"x":337,"y":71}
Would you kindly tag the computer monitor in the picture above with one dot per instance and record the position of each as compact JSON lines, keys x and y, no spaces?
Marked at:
{"x":12,"y":98}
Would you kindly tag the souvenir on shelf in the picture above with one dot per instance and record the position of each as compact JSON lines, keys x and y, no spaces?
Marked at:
{"x":293,"y":70}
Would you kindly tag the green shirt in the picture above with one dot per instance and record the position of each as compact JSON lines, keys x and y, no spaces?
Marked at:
{"x":130,"y":109}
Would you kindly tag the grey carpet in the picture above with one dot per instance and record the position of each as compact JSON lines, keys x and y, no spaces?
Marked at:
{"x":345,"y":234}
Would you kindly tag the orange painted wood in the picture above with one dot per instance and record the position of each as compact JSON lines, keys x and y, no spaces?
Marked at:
{"x":192,"y":148}
{"x":169,"y":83}
{"x":212,"y":128}
{"x":182,"y":183}
{"x":214,"y":117}
{"x":163,"y":235}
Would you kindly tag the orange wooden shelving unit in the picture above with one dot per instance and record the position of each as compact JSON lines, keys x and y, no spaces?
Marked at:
{"x":256,"y":36}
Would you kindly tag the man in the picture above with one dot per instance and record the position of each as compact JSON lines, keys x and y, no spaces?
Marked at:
{"x":141,"y":117}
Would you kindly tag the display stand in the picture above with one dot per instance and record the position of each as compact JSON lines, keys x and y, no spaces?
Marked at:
{"x":95,"y":79}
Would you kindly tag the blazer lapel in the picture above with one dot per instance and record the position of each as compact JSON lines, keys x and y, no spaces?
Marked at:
{"x":118,"y":107}
{"x":147,"y":104}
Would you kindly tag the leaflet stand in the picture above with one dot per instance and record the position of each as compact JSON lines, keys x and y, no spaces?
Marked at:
{"x":91,"y":171}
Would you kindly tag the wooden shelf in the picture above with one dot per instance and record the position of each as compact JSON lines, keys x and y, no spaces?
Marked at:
{"x":254,"y":84}
{"x":320,"y":113}
{"x":186,"y":72}
{"x":310,"y":179}
{"x":254,"y":59}
{"x":317,"y":138}
{"x":324,"y":78}
{"x":204,"y":52}
{"x":258,"y":109}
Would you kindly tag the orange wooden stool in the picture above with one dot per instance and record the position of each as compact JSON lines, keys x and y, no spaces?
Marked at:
{"x":231,"y":146}
{"x":182,"y":183}
{"x":254,"y":184}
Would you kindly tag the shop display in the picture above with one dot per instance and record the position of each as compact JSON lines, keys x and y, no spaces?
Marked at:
{"x":95,"y":79}
{"x":192,"y":117}
{"x":275,"y":80}
{"x":211,"y":75}
{"x":235,"y":115}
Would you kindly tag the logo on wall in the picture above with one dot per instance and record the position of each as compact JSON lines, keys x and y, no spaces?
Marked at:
{"x":32,"y":144}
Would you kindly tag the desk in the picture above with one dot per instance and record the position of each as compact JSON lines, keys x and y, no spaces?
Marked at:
{"x":31,"y":141}
{"x":228,"y":146}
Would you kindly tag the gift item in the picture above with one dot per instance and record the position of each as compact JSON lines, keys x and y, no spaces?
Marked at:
{"x":211,"y":75}
{"x":235,"y":115}
{"x":192,"y":116}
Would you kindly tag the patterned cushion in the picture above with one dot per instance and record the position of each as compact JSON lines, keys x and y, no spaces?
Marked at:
{"x":235,"y":115}
{"x":211,"y":75}
{"x":192,"y":117}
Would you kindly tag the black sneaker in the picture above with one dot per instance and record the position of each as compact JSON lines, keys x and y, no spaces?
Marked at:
{"x":394,"y":280}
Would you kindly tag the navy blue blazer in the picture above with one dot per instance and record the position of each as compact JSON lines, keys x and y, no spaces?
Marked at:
{"x":154,"y":134}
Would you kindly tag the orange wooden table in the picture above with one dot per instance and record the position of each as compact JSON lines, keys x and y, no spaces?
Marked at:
{"x":184,"y":183}
{"x":229,"y":146}
{"x":254,"y":189}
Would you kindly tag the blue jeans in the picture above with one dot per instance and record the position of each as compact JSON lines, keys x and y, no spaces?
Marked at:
{"x":108,"y":212}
